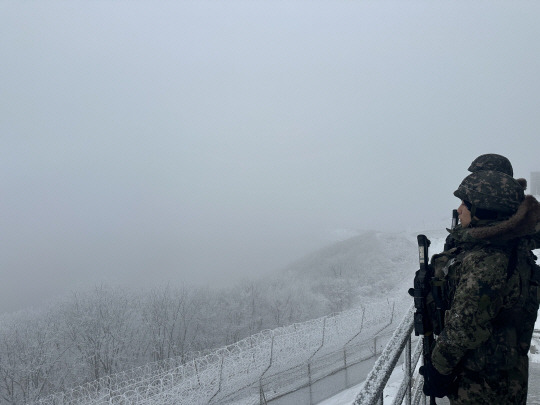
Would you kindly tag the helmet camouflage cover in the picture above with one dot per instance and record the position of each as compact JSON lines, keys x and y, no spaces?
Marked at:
{"x":491,"y":190}
{"x":492,"y":161}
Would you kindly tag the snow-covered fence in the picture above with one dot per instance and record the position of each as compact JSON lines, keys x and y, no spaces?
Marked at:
{"x":259,"y":368}
{"x":285,"y":377}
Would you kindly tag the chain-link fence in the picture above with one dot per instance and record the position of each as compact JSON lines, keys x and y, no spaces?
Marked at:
{"x":301,"y":378}
{"x":265,"y":365}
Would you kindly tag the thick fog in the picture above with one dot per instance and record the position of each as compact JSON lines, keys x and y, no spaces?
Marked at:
{"x":147,"y":142}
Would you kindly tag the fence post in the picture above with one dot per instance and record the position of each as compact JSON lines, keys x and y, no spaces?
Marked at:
{"x":221,"y":371}
{"x":345,"y":367}
{"x":309,"y":382}
{"x":262,"y":398}
{"x":323,"y":333}
{"x":197,"y":372}
{"x":269,"y":365}
{"x":220,"y":379}
{"x":347,"y":343}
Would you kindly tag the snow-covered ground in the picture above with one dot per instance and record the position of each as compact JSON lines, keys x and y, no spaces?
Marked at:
{"x":344,"y":397}
{"x":534,"y":352}
{"x":348,"y":396}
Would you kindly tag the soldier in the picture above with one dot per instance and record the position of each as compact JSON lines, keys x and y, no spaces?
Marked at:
{"x":491,"y":281}
{"x":492,"y":161}
{"x":489,"y":161}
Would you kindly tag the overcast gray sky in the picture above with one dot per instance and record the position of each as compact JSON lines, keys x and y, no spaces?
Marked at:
{"x":143,"y":142}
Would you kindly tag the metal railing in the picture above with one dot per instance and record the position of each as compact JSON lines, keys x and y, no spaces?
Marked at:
{"x":410,"y":389}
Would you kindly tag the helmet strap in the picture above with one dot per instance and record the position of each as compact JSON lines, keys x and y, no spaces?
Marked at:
{"x":474,"y":220}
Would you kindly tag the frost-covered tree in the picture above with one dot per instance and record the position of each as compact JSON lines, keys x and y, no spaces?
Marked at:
{"x":32,"y":361}
{"x":172,"y":320}
{"x":101,"y":327}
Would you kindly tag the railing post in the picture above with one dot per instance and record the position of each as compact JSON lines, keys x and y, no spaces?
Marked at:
{"x":408,"y":370}
{"x":372,"y":392}
{"x":424,"y":398}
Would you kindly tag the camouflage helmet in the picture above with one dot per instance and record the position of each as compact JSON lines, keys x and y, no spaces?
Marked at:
{"x":491,"y":190}
{"x":492,"y":161}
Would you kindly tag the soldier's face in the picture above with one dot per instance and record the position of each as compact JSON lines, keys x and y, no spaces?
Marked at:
{"x":464,"y":215}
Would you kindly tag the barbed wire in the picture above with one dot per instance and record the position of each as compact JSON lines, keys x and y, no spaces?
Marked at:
{"x":238,"y":371}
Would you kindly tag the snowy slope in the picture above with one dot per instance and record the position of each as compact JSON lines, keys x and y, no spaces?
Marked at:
{"x":383,"y":260}
{"x":372,"y":263}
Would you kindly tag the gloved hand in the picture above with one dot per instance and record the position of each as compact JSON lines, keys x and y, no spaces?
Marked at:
{"x":435,"y":383}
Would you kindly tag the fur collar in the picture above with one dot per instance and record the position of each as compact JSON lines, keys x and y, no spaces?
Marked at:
{"x":526,"y":221}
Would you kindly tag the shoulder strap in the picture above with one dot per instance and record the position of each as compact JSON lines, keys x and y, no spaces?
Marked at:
{"x":512,"y":261}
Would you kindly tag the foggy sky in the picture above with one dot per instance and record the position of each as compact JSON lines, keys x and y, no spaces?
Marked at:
{"x":146,"y":142}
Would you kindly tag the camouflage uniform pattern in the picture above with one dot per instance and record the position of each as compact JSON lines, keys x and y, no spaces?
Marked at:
{"x":492,"y":161}
{"x":491,"y":190}
{"x":489,"y":323}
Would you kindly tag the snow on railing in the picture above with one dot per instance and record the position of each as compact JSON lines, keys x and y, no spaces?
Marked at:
{"x":410,"y":388}
{"x":260,"y":365}
{"x":373,"y":389}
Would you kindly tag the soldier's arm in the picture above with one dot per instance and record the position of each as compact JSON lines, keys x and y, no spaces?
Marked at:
{"x":477,"y":301}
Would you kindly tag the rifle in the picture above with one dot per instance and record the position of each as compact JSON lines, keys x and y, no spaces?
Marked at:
{"x":423,"y":324}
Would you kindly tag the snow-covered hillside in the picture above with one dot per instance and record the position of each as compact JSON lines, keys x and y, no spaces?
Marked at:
{"x":371,"y":267}
{"x":370,"y":264}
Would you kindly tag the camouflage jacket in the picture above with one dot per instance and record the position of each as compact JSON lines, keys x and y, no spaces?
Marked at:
{"x":491,"y":297}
